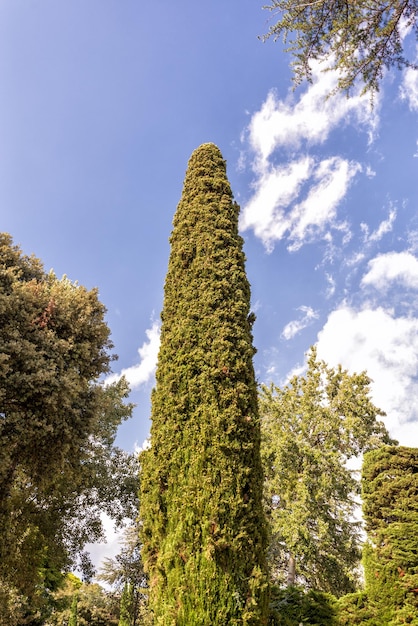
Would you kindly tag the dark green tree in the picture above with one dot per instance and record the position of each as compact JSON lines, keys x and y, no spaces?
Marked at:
{"x":58,"y":464}
{"x":310,"y":429}
{"x":359,"y":39}
{"x":201,"y":482}
{"x":292,"y":606}
{"x":390,"y":508}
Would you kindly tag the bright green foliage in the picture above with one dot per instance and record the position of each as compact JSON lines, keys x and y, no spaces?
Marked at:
{"x":293,"y":606}
{"x":360,"y":39}
{"x":201,"y":483}
{"x":390,"y":507}
{"x":58,"y":466}
{"x":83,"y":605}
{"x":310,"y":429}
{"x":125,"y":606}
{"x":95,"y":607}
{"x":354,"y":609}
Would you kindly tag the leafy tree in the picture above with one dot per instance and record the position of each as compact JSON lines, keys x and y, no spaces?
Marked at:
{"x":359,"y":39}
{"x":125,"y":573}
{"x":390,"y":508}
{"x":201,"y":481}
{"x":96,"y":607}
{"x":82,"y":604}
{"x":311,"y":428}
{"x":54,"y":342}
{"x":57,"y":426}
{"x":73,"y":621}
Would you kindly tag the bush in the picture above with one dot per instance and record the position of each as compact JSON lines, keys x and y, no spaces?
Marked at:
{"x":293,"y":606}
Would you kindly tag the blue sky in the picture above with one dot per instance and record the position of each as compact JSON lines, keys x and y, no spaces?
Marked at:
{"x":101,"y":105}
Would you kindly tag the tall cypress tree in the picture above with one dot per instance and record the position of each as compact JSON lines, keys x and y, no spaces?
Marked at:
{"x":390,"y":508}
{"x":201,"y":482}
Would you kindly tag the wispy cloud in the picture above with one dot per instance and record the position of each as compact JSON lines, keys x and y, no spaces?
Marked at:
{"x":409,"y":88}
{"x":313,"y":214}
{"x":143,"y":371}
{"x":387,"y":348}
{"x":268,"y":213}
{"x":284,"y":123}
{"x":386,"y":226}
{"x":393,"y":267}
{"x":294,"y":327}
{"x":295,"y":195}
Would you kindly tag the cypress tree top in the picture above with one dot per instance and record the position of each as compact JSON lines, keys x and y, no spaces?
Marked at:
{"x":203,"y":525}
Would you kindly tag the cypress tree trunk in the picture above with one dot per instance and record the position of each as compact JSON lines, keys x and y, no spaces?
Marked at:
{"x":201,"y":482}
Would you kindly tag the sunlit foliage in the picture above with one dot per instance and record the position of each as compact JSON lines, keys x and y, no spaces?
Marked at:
{"x":201,"y":483}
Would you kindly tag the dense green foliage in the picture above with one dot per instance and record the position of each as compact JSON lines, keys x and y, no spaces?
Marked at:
{"x":354,"y":609}
{"x":390,"y":508}
{"x":293,"y":606}
{"x":201,"y":483}
{"x":360,"y":39}
{"x":310,"y":430}
{"x":82,"y":604}
{"x":58,"y":467}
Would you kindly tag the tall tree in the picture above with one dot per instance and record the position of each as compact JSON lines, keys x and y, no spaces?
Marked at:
{"x":54,"y":343}
{"x":125,"y":573}
{"x":359,"y":39}
{"x":125,"y":607}
{"x":310,"y":430}
{"x":201,"y":482}
{"x":390,"y":508}
{"x":57,"y":427}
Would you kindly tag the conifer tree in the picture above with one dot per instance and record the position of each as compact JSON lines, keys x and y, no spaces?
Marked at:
{"x":125,"y":606}
{"x":390,"y":508}
{"x":311,"y":428}
{"x":201,"y":482}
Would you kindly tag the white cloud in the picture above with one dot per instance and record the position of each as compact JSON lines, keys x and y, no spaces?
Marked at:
{"x":294,"y":327}
{"x":387,"y":348}
{"x":275,"y":190}
{"x":298,"y":201}
{"x":392,"y":267}
{"x":312,"y":118}
{"x":409,"y":88}
{"x":141,"y":373}
{"x":281,"y":186}
{"x":331,"y":286}
{"x":318,"y":209}
{"x":384,"y":227}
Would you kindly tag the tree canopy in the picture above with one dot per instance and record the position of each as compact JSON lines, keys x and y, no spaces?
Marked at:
{"x":59,"y":468}
{"x":201,"y":480}
{"x":359,"y":39}
{"x":311,"y":429}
